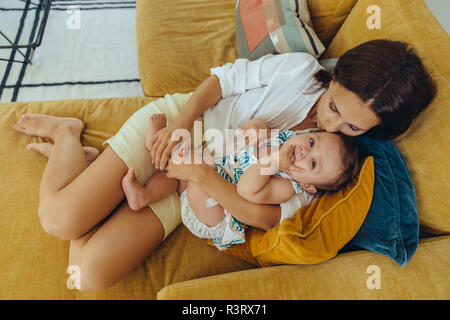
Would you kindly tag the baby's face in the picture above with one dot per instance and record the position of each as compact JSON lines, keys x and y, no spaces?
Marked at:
{"x":317,"y":158}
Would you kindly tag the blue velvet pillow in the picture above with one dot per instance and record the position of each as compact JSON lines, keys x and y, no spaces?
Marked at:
{"x":391,"y":227}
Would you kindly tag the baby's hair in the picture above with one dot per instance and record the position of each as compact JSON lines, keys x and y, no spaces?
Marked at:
{"x":350,"y":161}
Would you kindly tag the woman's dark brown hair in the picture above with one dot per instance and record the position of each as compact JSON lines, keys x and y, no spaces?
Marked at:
{"x":388,"y":75}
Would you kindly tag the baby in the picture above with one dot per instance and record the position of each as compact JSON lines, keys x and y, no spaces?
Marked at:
{"x":297,"y":162}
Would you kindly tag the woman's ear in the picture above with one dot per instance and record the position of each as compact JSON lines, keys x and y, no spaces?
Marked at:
{"x":309,"y":188}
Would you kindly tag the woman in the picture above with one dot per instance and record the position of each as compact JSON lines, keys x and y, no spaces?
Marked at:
{"x":377,"y":89}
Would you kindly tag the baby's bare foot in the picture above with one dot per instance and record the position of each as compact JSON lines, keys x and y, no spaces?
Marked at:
{"x":156,"y":122}
{"x":46,"y":126}
{"x":45,"y":149}
{"x":133,"y":191}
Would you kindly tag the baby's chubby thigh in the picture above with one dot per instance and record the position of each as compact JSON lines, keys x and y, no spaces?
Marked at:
{"x":197,"y":197}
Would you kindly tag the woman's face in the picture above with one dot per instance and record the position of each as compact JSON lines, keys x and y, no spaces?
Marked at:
{"x":339,"y":109}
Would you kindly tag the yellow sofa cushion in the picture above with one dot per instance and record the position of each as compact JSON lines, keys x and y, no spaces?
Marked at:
{"x":32,"y":263}
{"x":328,"y":16}
{"x":317,"y":232}
{"x":179,"y":42}
{"x":423,"y":144}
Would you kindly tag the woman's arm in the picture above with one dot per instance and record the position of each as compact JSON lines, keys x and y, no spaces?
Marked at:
{"x":205,"y":96}
{"x":263,"y":216}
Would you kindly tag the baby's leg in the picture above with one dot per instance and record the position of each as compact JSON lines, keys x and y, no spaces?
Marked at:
{"x":156,"y":122}
{"x":157,"y":187}
{"x":196,"y":197}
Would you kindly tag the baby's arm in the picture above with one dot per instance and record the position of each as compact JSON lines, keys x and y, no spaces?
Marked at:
{"x":258,"y":183}
{"x":264,"y":189}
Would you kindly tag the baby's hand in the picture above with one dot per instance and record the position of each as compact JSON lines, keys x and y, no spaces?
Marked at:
{"x":252,"y":133}
{"x":279,"y":160}
{"x":251,"y":137}
{"x":286,"y":156}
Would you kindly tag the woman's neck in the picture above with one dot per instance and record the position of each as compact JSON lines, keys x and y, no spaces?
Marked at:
{"x":310,"y":121}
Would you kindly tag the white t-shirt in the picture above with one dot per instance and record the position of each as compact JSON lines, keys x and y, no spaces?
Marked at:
{"x":279,"y":89}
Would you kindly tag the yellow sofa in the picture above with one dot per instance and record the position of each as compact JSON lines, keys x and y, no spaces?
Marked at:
{"x":177,"y":44}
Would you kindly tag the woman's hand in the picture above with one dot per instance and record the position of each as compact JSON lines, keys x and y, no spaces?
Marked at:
{"x":161,"y":145}
{"x":252,"y":132}
{"x":187,"y":171}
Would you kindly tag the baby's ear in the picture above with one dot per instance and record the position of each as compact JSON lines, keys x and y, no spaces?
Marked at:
{"x":309,"y":188}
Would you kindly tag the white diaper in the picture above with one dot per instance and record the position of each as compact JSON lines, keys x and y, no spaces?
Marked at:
{"x":197,"y":227}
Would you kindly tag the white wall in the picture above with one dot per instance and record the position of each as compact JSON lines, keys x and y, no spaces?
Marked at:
{"x":441,"y":10}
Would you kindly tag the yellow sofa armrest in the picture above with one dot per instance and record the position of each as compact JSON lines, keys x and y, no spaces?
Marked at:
{"x":349,"y":276}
